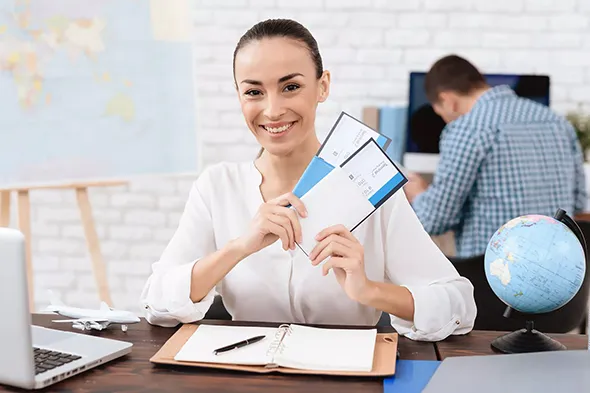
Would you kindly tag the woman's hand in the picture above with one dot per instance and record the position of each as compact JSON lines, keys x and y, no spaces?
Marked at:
{"x":273,"y":221}
{"x":346,"y":258}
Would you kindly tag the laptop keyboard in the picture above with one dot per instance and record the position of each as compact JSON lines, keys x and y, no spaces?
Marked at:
{"x":47,"y":360}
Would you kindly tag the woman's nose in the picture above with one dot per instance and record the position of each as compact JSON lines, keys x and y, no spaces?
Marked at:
{"x":274,"y":108}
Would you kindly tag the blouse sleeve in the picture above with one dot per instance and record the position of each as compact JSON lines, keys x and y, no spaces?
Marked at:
{"x":443,"y":300}
{"x":166,"y":294}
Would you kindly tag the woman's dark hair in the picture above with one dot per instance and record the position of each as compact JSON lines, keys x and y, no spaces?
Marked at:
{"x":287,"y":28}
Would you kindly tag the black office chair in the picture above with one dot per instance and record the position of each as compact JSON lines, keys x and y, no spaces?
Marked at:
{"x":385,"y":320}
{"x":490,"y":308}
{"x":218,"y":310}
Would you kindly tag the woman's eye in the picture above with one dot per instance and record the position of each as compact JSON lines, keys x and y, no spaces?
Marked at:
{"x":252,"y":92}
{"x":291,"y":87}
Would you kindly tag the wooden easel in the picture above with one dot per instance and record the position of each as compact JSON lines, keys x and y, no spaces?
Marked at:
{"x":92,"y":242}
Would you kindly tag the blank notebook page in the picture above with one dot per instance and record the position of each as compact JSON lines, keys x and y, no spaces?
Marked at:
{"x":328,"y":349}
{"x":200,"y":346}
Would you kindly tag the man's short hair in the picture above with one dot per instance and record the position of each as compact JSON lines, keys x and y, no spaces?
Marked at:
{"x":452,"y":73}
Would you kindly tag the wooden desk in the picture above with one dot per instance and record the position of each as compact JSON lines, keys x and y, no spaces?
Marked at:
{"x":478,"y":343}
{"x":134,"y":372}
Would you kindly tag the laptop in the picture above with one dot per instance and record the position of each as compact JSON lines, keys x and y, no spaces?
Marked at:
{"x":33,"y":357}
{"x":559,"y":371}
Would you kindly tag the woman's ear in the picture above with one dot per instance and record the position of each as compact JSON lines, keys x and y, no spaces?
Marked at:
{"x":324,"y":86}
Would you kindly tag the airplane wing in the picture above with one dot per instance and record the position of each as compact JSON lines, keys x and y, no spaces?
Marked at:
{"x":81,"y":320}
{"x":86,"y":323}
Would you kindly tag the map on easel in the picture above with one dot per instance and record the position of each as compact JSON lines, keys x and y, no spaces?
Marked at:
{"x":93,"y":92}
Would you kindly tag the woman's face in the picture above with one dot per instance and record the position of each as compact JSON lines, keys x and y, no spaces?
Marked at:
{"x":279,"y":92}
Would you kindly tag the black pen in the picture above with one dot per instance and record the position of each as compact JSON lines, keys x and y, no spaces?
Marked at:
{"x":238,"y":344}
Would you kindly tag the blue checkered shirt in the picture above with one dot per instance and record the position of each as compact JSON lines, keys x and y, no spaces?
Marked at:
{"x":507,"y":157}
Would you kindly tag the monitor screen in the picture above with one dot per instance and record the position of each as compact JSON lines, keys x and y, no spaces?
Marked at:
{"x":424,"y":125}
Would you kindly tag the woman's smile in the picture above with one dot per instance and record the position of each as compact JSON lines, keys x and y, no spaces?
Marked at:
{"x":276,"y":130}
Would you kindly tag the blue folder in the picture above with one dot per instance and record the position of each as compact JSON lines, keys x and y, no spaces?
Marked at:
{"x":411,"y":376}
{"x":392,"y":124}
{"x":315,"y":171}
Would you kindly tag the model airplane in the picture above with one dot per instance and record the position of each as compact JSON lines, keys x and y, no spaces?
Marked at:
{"x":88,"y":319}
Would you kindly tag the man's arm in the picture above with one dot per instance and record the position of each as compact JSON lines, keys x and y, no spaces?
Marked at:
{"x":461,"y":154}
{"x":580,"y":195}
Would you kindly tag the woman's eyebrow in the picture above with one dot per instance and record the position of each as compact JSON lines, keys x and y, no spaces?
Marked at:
{"x":281,"y":79}
{"x":290,"y":76}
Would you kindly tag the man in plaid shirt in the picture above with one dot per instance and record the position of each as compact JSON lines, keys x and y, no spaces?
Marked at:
{"x":501,"y":156}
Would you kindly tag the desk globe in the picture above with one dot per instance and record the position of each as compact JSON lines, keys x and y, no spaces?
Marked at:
{"x":535,"y":264}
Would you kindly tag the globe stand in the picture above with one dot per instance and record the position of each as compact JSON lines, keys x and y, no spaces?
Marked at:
{"x":525,"y":340}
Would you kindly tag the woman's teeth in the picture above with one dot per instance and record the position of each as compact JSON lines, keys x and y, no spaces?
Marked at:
{"x":279,"y":129}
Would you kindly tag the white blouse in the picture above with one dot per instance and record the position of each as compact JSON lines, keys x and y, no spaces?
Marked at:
{"x":282,"y":286}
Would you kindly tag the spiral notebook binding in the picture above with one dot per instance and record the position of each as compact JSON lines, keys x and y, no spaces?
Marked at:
{"x":277,"y":346}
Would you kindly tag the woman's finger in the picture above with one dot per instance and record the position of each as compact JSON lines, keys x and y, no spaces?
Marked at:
{"x":332,"y":249}
{"x":285,"y":223}
{"x":290,"y":199}
{"x":337,"y":262}
{"x":336,"y":230}
{"x":292,"y":216}
{"x":332,"y":238}
{"x":278,"y":230}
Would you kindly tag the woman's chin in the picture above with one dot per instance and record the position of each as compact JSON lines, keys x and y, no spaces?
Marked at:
{"x":280,"y":149}
{"x":284,"y":145}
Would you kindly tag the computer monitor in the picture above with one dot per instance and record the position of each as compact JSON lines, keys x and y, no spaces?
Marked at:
{"x":424,"y":126}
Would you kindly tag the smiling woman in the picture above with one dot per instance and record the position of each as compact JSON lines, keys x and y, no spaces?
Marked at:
{"x":271,"y":65}
{"x":237,"y":236}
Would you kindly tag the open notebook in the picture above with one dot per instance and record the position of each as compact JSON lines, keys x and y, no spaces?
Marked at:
{"x":342,"y":352}
{"x":292,"y":346}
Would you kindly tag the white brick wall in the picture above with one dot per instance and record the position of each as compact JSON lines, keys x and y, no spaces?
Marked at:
{"x":370,"y":47}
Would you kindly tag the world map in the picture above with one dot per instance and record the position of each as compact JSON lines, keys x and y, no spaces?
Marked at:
{"x":95,"y":88}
